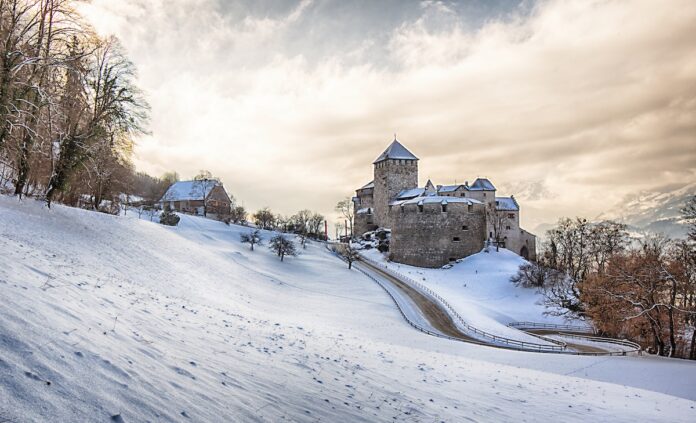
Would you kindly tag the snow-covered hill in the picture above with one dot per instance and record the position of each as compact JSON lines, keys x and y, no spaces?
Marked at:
{"x":479,"y":288}
{"x":107,"y":317}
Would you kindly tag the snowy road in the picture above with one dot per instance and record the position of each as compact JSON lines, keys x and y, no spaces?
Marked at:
{"x":428,"y":315}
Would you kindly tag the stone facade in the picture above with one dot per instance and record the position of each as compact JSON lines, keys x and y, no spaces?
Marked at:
{"x":391,"y":177}
{"x":432,"y":226}
{"x":427,"y":236}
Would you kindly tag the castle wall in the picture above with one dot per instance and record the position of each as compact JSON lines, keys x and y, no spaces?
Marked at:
{"x":431,"y":237}
{"x":392,"y":177}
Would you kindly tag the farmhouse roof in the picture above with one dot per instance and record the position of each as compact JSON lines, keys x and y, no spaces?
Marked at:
{"x":189,"y":190}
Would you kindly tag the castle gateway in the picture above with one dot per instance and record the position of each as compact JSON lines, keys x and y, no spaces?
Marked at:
{"x":434,"y":225}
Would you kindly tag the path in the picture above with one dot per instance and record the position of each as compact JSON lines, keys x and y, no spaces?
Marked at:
{"x":440,"y":320}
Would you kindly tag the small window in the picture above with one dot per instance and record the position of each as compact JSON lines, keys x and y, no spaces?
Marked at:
{"x":456,"y":239}
{"x":484,"y":194}
{"x":462,"y":194}
{"x":420,"y":208}
{"x":444,"y":208}
{"x":465,"y":228}
{"x":511,"y":215}
{"x":470,"y":208}
{"x":507,"y":227}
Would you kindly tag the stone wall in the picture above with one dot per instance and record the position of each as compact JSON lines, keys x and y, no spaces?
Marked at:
{"x":431,"y":237}
{"x":392,"y":177}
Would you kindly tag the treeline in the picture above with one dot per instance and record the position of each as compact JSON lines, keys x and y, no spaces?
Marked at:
{"x":640,"y":289}
{"x":69,"y":108}
{"x":304,"y":223}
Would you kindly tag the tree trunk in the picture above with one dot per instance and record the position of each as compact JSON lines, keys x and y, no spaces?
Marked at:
{"x":692,"y":353}
{"x":23,"y":164}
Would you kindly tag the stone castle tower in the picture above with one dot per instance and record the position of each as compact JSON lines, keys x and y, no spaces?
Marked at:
{"x":395,"y":170}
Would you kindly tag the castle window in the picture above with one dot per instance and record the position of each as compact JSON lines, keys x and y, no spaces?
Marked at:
{"x":511,"y":215}
{"x":470,"y":208}
{"x":420,"y":208}
{"x":456,"y":239}
{"x":444,"y":208}
{"x":507,"y":227}
{"x":465,"y":228}
{"x":484,"y":194}
{"x":463,"y":194}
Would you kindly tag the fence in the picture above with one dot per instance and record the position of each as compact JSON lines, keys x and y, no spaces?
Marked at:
{"x":566,"y":328}
{"x":559,"y":347}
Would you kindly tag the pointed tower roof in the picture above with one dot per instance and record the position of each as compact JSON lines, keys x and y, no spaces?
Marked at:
{"x":395,"y":151}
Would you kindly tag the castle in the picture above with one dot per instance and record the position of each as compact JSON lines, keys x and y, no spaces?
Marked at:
{"x":434,"y":225}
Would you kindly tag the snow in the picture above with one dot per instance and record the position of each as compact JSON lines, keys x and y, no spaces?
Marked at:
{"x":130,"y":320}
{"x":396,"y":151}
{"x":482,"y":184}
{"x":410,"y":193}
{"x":451,"y":188}
{"x":479,"y":289}
{"x":506,"y":203}
{"x":188,"y":190}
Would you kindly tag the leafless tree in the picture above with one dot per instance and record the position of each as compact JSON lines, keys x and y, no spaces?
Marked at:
{"x":252,"y":238}
{"x":282,"y":246}
{"x":346,"y":209}
{"x":499,"y":221}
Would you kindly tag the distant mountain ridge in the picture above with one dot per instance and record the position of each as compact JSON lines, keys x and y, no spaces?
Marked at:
{"x":656,"y":211}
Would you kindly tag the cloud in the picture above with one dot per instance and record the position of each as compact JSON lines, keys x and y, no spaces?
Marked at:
{"x":590,"y":100}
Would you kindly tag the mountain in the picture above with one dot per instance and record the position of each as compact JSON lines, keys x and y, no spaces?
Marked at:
{"x":654,"y":211}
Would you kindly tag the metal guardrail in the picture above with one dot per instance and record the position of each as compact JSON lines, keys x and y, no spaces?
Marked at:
{"x":568,"y":328}
{"x":522,"y":345}
{"x":559,"y":348}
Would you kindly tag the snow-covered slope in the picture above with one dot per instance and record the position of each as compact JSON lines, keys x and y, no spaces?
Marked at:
{"x":479,"y":288}
{"x":107,"y":317}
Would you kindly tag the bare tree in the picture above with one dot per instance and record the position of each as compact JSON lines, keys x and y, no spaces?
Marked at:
{"x":499,"y":221}
{"x":350,"y":254}
{"x":282,"y":246}
{"x":346,"y":209}
{"x":689,"y":215}
{"x":264,"y":218}
{"x":252,"y":238}
{"x":113,"y":107}
{"x":238,"y":214}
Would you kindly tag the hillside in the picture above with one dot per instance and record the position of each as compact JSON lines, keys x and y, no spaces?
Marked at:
{"x":106,"y":317}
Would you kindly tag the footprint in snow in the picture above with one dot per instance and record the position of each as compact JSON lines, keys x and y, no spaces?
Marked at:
{"x":117,"y":418}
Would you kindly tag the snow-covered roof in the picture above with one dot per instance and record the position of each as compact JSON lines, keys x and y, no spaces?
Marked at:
{"x":506,"y":203}
{"x":435,"y":199}
{"x":410,"y":193}
{"x":482,"y":184}
{"x":370,"y":184}
{"x":366,"y":210}
{"x":396,"y":151}
{"x":451,"y":188}
{"x":189,"y":190}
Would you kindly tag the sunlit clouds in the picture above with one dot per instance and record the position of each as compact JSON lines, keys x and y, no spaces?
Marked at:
{"x":568,"y":105}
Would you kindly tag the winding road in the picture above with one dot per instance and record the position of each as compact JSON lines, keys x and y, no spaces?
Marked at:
{"x":441,"y":321}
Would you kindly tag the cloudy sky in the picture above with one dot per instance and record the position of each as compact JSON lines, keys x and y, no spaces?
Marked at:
{"x":569,"y":105}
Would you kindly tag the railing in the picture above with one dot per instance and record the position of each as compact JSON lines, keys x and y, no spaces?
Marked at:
{"x":396,"y":302}
{"x":568,"y":328}
{"x":557,"y":347}
{"x":501,"y":342}
{"x":632,"y":346}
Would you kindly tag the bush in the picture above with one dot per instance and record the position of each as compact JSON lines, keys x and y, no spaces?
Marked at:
{"x":168,"y":218}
